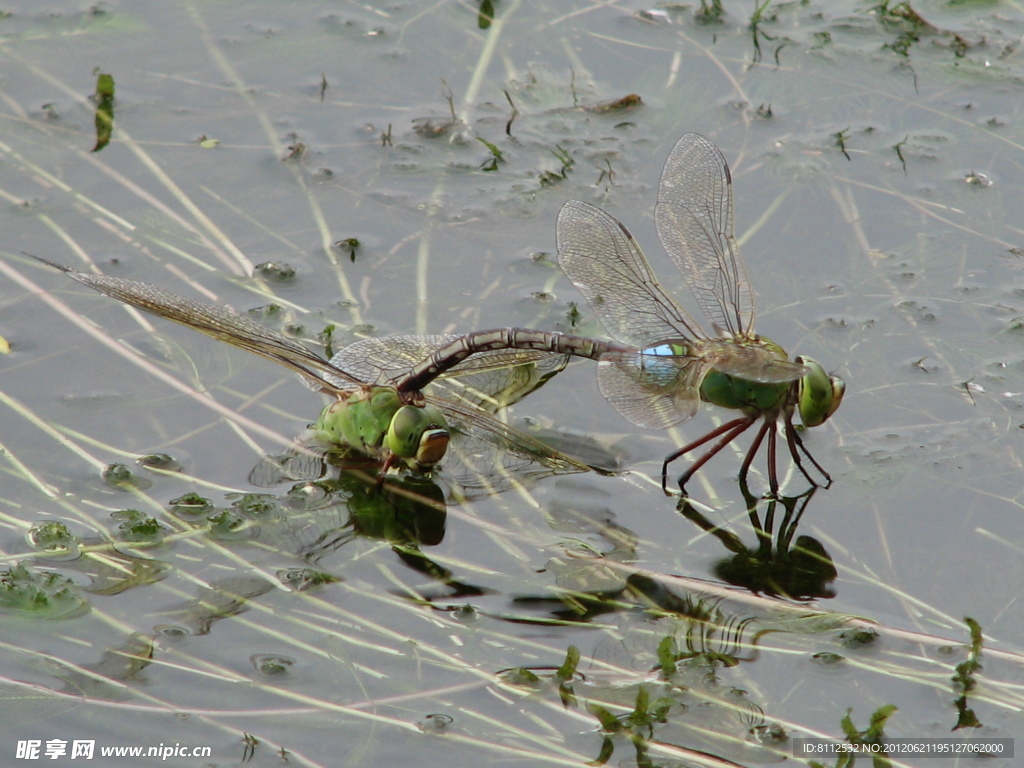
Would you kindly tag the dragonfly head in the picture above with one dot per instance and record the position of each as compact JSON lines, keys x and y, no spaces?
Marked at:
{"x":418,"y":435}
{"x":819,"y":394}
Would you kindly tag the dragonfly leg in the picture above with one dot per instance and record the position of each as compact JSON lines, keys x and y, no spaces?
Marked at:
{"x":773,"y":482}
{"x":389,"y":462}
{"x":731,"y":430}
{"x":796,"y":445}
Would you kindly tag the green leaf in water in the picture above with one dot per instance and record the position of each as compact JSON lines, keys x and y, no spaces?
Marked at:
{"x":609,"y":722}
{"x":521,"y":677}
{"x":964,"y":678}
{"x":104,"y":98}
{"x":191,"y":505}
{"x":568,"y":668}
{"x":497,"y":156}
{"x":123,"y":479}
{"x":227,"y":525}
{"x":159,"y":461}
{"x":275,"y":271}
{"x":486,"y":14}
{"x":668,"y":652}
{"x":301,"y":579}
{"x":138,"y":527}
{"x":51,"y":536}
{"x":41,"y":594}
{"x":858,"y":637}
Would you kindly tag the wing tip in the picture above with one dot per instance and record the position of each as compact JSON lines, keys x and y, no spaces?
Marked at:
{"x":66,"y":270}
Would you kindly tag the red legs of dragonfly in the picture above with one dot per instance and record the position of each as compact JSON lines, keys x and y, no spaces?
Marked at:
{"x":796,"y":445}
{"x":773,"y":481}
{"x":731,"y":430}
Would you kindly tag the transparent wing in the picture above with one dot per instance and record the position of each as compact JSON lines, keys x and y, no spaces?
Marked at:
{"x":651,"y":391}
{"x":388,"y":359}
{"x":220,"y":323}
{"x":753,"y":362}
{"x":494,"y":390}
{"x":604,"y":262}
{"x":467,"y":394}
{"x":694,"y":220}
{"x":489,"y":380}
{"x":488,"y":445}
{"x":370,"y":360}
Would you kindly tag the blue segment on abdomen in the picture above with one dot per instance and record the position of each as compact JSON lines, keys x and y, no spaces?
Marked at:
{"x":660,"y":364}
{"x":663,"y":350}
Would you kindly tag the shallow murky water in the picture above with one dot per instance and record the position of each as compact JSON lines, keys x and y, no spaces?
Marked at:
{"x":409,"y":163}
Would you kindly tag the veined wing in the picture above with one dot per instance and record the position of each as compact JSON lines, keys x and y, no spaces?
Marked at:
{"x":652,"y":391}
{"x":486,"y":458}
{"x":490,"y":380}
{"x":694,"y":220}
{"x":388,"y":359}
{"x":752,"y":362}
{"x":604,"y":262}
{"x":220,"y":323}
{"x":502,"y":441}
{"x":470,"y":391}
{"x":493,"y":390}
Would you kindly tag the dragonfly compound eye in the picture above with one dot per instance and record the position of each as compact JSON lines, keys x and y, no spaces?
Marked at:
{"x":419,"y":435}
{"x":819,"y":393}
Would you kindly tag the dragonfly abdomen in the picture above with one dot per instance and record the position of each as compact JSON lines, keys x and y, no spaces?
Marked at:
{"x":661,"y":366}
{"x":450,"y":355}
{"x":669,"y":349}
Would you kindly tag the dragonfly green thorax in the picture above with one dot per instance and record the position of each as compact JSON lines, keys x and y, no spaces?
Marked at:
{"x":736,"y":393}
{"x":675,"y":364}
{"x":375,"y":422}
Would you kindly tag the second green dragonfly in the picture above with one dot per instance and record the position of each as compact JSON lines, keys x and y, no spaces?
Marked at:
{"x":376,"y":412}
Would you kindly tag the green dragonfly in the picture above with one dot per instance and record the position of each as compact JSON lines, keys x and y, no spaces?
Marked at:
{"x":655,"y":377}
{"x":376,"y":412}
{"x":678,"y":364}
{"x":482,"y":461}
{"x":665,"y":364}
